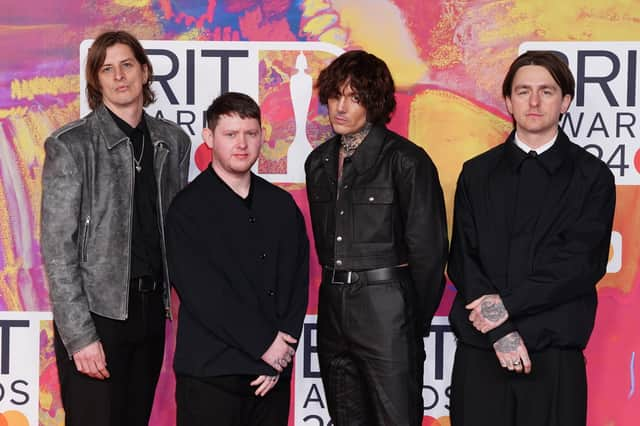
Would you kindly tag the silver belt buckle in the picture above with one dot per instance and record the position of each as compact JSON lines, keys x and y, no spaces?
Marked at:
{"x":333,"y":278}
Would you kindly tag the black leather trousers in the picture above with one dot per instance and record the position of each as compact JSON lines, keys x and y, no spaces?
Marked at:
{"x":371,"y":354}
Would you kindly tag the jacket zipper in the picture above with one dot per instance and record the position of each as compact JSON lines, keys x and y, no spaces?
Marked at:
{"x":131,"y":191}
{"x":161,"y":222}
{"x":85,"y":238}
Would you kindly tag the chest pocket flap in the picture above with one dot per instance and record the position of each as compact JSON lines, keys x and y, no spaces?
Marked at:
{"x":373,"y":196}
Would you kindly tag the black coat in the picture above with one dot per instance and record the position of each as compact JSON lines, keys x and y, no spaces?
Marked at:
{"x":241,"y":274}
{"x":552,"y":299}
{"x":388,"y":210}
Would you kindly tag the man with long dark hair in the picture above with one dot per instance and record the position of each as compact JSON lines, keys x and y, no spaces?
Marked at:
{"x":380,"y":231}
{"x":107,"y":181}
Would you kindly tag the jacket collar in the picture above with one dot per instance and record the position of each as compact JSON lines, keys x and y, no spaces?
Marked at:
{"x":108,"y":127}
{"x":112,"y":133}
{"x":369,"y":150}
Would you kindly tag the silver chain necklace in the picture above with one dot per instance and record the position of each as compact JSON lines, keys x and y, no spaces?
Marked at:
{"x":138,"y":161}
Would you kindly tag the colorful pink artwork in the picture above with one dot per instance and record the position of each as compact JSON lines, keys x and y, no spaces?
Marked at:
{"x":448,"y":58}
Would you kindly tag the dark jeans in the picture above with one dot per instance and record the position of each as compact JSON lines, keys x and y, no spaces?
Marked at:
{"x":134,"y":349}
{"x":485,"y":394}
{"x":230,"y":401}
{"x":371,"y":353}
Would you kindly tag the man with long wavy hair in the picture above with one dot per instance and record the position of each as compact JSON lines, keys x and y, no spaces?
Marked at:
{"x":380,"y":232}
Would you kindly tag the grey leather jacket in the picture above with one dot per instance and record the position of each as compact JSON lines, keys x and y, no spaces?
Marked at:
{"x":87,"y":202}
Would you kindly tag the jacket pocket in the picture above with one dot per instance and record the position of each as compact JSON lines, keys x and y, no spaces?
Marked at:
{"x":373,"y":215}
{"x":84,"y":239}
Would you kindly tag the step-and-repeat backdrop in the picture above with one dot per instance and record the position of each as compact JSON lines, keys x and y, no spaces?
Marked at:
{"x":448,"y":59}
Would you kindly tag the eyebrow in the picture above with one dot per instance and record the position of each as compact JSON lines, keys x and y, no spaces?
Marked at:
{"x":529,"y":86}
{"x":119,"y":62}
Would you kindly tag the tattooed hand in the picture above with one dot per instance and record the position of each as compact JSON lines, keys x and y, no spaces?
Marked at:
{"x":487,"y":312}
{"x":512,"y":353}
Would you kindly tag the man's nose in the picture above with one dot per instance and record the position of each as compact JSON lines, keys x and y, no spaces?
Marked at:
{"x":118,"y":73}
{"x":534,"y":99}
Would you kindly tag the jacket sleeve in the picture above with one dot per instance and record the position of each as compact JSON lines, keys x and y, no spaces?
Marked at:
{"x":570,"y":265}
{"x":296,"y":258}
{"x":422,"y":207}
{"x":203,"y":285}
{"x":62,"y":233}
{"x":184,"y":160}
{"x":465,"y":268}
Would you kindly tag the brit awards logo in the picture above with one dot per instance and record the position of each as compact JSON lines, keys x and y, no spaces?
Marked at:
{"x":188,"y":75}
{"x":20,"y":367}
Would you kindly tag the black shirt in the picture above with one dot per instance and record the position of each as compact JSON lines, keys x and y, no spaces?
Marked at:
{"x":146,"y":253}
{"x":242,"y":274}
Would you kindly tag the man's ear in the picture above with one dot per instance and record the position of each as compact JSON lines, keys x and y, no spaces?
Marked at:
{"x":207,"y":137}
{"x":566,"y":101}
{"x":507,"y":102}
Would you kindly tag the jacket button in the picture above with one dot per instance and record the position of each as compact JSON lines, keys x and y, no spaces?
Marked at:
{"x":263,"y":256}
{"x":326,"y":159}
{"x":341,"y":212}
{"x":372,"y":199}
{"x":346,"y":187}
{"x":252,"y":219}
{"x":339,"y":238}
{"x":338,"y":262}
{"x":271,"y":292}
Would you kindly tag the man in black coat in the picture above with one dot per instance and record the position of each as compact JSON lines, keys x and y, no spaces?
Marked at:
{"x":381,"y":236}
{"x":239,"y":259}
{"x":532,"y":226}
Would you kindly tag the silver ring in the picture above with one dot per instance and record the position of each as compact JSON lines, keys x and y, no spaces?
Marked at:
{"x":274,"y":378}
{"x":517,"y":362}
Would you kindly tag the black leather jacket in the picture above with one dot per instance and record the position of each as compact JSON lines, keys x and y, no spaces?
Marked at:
{"x":387,"y":210}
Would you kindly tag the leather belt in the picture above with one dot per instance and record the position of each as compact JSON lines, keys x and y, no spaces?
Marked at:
{"x":145,"y":284}
{"x":368,"y":276}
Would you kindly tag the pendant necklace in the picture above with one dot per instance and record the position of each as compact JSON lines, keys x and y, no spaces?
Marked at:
{"x":138,"y":161}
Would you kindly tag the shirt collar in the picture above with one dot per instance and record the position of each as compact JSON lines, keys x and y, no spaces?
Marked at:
{"x":125,"y":127}
{"x":539,"y":150}
{"x":551,"y":155}
{"x":248,"y":200}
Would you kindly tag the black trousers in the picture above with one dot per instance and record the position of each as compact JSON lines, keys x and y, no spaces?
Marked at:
{"x":370,"y":352}
{"x":134,"y":349}
{"x":230,"y":401}
{"x":485,"y":394}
